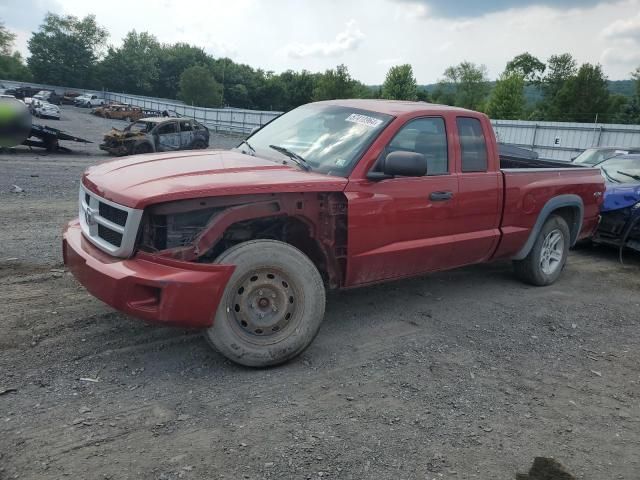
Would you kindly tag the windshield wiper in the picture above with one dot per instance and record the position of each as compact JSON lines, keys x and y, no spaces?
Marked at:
{"x":297,"y":159}
{"x":635,"y":177}
{"x":608,"y":176}
{"x":248,"y":145}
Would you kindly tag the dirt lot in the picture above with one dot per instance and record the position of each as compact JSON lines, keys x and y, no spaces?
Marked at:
{"x":459,"y":375}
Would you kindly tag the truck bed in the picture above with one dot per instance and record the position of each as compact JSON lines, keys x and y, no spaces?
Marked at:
{"x":528,"y":186}
{"x":512,"y":162}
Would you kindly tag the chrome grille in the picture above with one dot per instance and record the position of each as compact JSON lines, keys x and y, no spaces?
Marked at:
{"x":108,"y":225}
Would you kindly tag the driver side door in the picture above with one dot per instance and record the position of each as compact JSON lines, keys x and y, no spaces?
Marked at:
{"x":167,"y":136}
{"x":402,"y":226}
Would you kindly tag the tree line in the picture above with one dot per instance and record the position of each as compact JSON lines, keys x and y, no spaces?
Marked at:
{"x":66,"y":50}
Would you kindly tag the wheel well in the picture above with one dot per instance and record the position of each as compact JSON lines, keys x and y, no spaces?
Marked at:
{"x":571,"y":215}
{"x":288,"y":229}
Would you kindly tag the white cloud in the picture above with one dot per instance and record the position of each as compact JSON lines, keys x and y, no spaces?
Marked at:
{"x":345,"y":41}
{"x":390,"y":62}
{"x":624,"y":29}
{"x":620,"y":56}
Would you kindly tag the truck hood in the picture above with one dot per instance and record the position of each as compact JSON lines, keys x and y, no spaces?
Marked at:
{"x":143,"y":180}
{"x":620,"y":196}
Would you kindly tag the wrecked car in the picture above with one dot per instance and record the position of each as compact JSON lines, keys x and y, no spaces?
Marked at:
{"x":156,"y":134}
{"x":620,"y":224}
{"x":332,"y":195}
{"x":596,"y":155}
{"x":124,"y":112}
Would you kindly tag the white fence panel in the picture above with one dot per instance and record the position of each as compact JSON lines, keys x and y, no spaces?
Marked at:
{"x":564,"y":140}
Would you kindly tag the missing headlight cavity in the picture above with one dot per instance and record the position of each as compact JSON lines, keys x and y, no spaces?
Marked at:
{"x":162,"y":232}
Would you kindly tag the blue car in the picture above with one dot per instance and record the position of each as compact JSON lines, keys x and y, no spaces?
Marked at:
{"x":620,"y":224}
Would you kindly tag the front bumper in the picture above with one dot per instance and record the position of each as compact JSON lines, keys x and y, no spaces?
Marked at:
{"x":118,"y":150}
{"x":149,"y":287}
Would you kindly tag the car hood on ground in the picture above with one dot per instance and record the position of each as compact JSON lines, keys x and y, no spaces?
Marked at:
{"x":142,"y":180}
{"x":620,"y":196}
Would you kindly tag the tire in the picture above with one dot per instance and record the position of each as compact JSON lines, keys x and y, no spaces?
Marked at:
{"x":141,"y":148}
{"x":199,"y":145}
{"x":548,"y":256}
{"x":272,"y":280}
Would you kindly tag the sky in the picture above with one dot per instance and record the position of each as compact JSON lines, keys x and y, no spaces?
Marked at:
{"x":368,"y":36}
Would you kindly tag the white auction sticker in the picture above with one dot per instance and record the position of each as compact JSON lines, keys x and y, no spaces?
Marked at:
{"x":364,"y":120}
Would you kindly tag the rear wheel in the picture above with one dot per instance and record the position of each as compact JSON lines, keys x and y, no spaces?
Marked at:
{"x":199,"y":144}
{"x":548,"y":255}
{"x":272,"y":307}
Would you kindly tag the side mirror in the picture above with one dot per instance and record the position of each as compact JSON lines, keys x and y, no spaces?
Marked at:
{"x":405,"y":164}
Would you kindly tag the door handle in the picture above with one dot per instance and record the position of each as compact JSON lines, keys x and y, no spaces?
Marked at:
{"x":441,"y":196}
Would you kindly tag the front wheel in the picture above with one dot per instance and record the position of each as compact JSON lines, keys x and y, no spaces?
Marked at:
{"x":141,"y":148}
{"x":272,"y":307}
{"x":544,"y":263}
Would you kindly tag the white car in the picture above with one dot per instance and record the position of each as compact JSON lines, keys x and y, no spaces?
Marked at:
{"x":88,"y":100}
{"x":46,"y":110}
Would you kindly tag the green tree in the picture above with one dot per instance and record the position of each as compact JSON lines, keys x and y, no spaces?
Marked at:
{"x":12,"y":66}
{"x":65,"y":49}
{"x":295,"y":88}
{"x":231,"y":75}
{"x":507,"y":98}
{"x":6,"y":40}
{"x":470,"y":84}
{"x":400,"y":84}
{"x":134,"y":67}
{"x":199,"y":87}
{"x":560,"y":68}
{"x":583,"y":96}
{"x":334,"y":84}
{"x":172,"y":61}
{"x":628,"y":111}
{"x":527,"y":66}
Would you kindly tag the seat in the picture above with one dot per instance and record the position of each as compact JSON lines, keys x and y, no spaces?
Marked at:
{"x":434,"y":147}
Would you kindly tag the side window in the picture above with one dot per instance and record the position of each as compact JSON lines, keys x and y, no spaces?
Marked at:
{"x":428,"y":137}
{"x":186,"y":126}
{"x":473,"y":145}
{"x":167,"y":128}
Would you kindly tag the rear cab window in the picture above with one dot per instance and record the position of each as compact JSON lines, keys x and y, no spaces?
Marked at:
{"x":473,"y":145}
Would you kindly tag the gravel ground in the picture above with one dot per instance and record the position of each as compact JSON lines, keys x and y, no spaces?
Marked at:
{"x":457,"y":375}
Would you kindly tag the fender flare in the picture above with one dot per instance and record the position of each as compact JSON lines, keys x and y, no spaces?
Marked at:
{"x":561,"y":201}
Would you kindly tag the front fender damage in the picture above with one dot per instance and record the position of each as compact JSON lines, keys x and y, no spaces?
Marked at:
{"x":199,"y":230}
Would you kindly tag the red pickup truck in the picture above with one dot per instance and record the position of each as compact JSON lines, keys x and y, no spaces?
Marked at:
{"x":332,"y":195}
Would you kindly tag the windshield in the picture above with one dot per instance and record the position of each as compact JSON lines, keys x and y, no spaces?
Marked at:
{"x":621,"y":170}
{"x":593,"y":156}
{"x":138,"y":127}
{"x":329,"y":138}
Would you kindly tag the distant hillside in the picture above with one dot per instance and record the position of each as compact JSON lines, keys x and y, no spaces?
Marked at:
{"x":625,"y":88}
